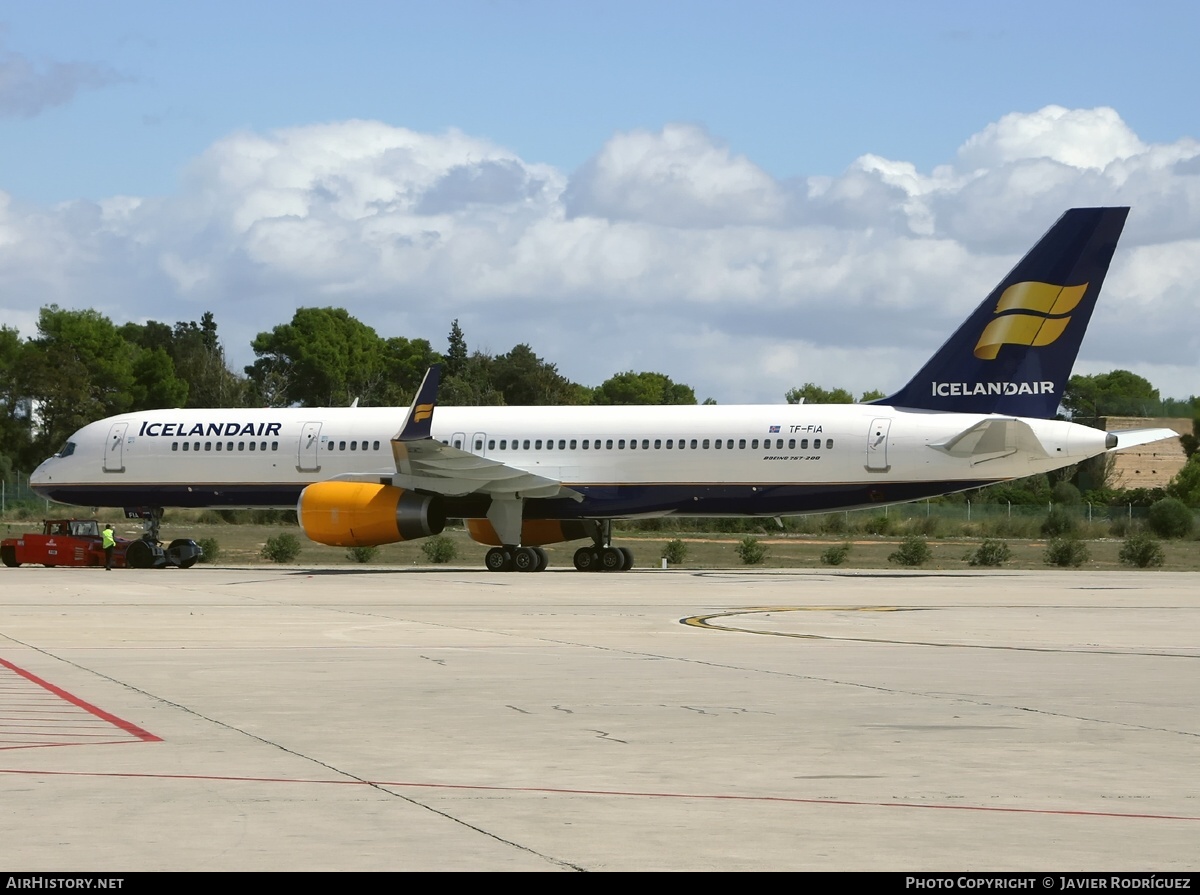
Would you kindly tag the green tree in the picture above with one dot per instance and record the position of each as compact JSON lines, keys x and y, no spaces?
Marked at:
{"x":324,"y":357}
{"x":523,"y":378}
{"x":642,"y":388}
{"x":200,"y":361}
{"x":1186,"y":484}
{"x":405,"y":362}
{"x":456,"y":355}
{"x":811,"y":393}
{"x":15,"y":429}
{"x":472,"y":385}
{"x":155,"y":384}
{"x":1118,"y":393}
{"x":78,"y":369}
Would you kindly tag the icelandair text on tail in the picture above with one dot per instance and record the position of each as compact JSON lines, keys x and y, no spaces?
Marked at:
{"x":946,"y":389}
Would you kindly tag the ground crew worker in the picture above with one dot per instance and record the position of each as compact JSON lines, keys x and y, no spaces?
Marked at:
{"x":109,"y":542}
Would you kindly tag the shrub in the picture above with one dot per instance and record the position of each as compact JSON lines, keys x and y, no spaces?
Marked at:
{"x":1170,"y":518}
{"x":211,"y":549}
{"x":674,"y":552}
{"x":877,"y":525}
{"x":1142,"y":551}
{"x":1066,"y":552}
{"x":930,"y":526}
{"x":1121,"y":526}
{"x":835,"y":555}
{"x":834,"y":523}
{"x":752,"y":551}
{"x":1065,"y":492}
{"x":991,"y":552}
{"x":362,"y":554}
{"x":913,"y":551}
{"x":439,"y":549}
{"x":1059,"y":523}
{"x":281,"y":548}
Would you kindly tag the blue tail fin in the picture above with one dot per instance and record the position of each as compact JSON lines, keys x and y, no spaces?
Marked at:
{"x":1014,"y":354}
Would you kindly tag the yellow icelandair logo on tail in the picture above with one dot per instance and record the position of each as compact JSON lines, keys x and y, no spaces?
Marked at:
{"x":422,"y":413}
{"x":1050,"y":306}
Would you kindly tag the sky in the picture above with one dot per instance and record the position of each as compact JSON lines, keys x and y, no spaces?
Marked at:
{"x":744,"y":196}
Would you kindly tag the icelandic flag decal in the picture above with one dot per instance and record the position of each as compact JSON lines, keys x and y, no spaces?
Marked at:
{"x":773,"y":429}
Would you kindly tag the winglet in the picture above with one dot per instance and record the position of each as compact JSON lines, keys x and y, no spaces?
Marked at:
{"x":419,"y":422}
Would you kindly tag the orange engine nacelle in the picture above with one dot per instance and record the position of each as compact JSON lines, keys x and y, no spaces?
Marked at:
{"x":534,"y":532}
{"x":362,"y":514}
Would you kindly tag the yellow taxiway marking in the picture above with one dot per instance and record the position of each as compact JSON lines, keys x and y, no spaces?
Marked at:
{"x":704,"y":621}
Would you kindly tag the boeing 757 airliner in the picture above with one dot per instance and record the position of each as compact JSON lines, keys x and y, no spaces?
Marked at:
{"x":980,"y":411}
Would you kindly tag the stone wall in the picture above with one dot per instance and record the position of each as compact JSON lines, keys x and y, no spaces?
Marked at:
{"x":1147,"y":465}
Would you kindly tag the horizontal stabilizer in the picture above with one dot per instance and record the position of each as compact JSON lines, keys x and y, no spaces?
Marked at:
{"x":1131,"y":437}
{"x":993,"y":439}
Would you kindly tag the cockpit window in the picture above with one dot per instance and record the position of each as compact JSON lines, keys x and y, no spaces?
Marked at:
{"x":66,"y":450}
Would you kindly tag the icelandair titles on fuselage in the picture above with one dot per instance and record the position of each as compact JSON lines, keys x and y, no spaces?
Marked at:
{"x":946,"y":389}
{"x":203,"y":430}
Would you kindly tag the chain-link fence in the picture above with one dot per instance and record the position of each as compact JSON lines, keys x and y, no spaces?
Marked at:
{"x":15,"y":495}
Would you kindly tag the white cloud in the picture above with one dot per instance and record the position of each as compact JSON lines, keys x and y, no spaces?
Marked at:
{"x":666,"y":251}
{"x":1080,"y":138}
{"x":678,"y":177}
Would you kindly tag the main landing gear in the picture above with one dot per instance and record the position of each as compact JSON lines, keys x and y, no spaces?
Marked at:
{"x":603,"y":559}
{"x":515,"y":559}
{"x":601,"y":556}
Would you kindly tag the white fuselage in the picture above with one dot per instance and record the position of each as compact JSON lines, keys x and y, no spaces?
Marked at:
{"x":625,"y":460}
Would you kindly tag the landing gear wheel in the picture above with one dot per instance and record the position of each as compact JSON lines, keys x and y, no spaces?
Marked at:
{"x":525,"y":559}
{"x":543,"y":560}
{"x":628,"y":554}
{"x":184,"y":553}
{"x":612,"y":559}
{"x":587,"y":559}
{"x":498,"y":560}
{"x":145,"y":554}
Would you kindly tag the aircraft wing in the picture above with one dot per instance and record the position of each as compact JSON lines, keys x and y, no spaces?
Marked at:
{"x":423,"y":463}
{"x":993,"y":439}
